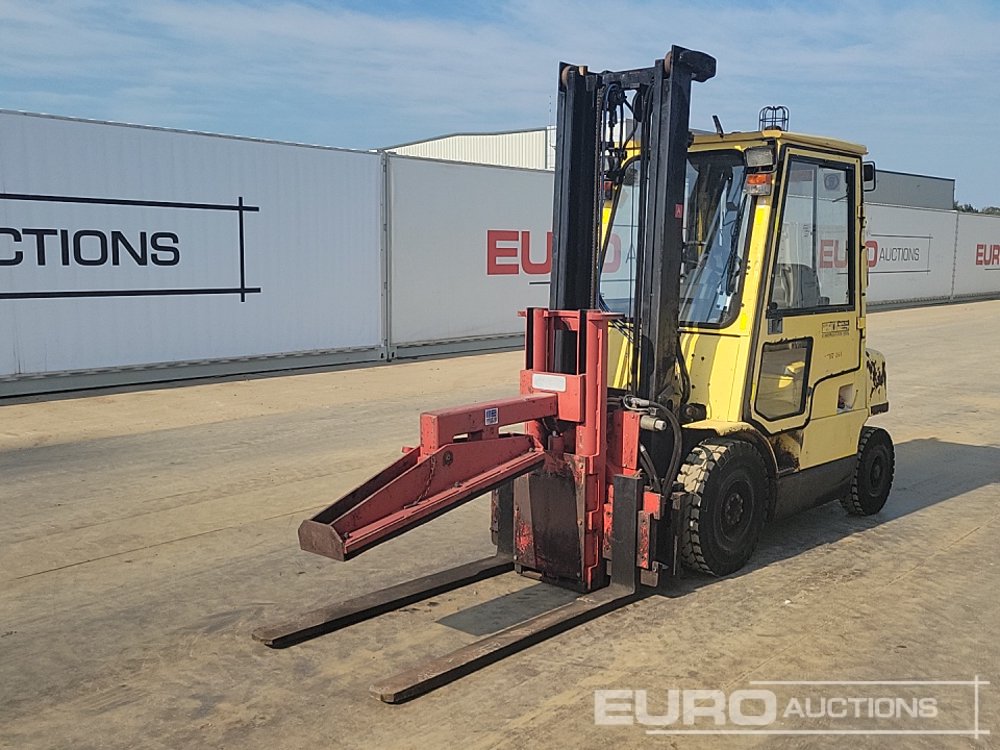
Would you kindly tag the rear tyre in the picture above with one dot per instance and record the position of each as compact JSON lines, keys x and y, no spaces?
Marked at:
{"x":726,"y":494}
{"x":872,"y":474}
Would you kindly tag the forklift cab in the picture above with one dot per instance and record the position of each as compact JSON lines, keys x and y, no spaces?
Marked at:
{"x":772,"y":309}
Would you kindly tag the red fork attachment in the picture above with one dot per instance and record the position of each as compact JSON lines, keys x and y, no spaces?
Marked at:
{"x":569,"y":503}
{"x":461,"y":456}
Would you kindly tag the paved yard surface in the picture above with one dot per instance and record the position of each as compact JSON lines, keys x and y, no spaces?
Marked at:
{"x":146,"y":533}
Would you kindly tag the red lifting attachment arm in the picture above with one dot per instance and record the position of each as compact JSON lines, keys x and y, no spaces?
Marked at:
{"x":461,"y":456}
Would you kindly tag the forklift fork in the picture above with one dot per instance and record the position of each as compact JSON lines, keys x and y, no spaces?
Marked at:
{"x":333,"y":617}
{"x":442,"y":670}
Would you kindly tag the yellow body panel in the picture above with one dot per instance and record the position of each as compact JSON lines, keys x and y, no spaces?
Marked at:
{"x":716,"y":364}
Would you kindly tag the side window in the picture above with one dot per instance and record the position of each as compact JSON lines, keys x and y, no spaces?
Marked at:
{"x":815,"y":263}
{"x":781,"y":385}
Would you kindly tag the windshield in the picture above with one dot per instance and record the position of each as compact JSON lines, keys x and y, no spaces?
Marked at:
{"x":716,"y":219}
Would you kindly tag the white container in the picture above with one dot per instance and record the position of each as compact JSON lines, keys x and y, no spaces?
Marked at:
{"x":910,"y":253}
{"x":977,"y":256}
{"x":125,"y":247}
{"x":467,"y":249}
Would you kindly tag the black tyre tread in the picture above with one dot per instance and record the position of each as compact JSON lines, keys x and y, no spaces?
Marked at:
{"x":704,"y":459}
{"x":852,"y":502}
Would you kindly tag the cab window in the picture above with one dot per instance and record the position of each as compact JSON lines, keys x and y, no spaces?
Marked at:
{"x":815,"y":263}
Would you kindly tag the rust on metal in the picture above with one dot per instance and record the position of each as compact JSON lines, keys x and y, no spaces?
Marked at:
{"x":546,"y":524}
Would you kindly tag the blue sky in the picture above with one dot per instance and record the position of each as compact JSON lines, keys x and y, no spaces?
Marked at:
{"x":918,"y":82}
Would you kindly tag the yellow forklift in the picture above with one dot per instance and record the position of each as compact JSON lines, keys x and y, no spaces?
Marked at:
{"x":700,"y":370}
{"x":774,"y":381}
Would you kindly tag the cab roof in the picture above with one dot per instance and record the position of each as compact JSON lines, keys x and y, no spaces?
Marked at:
{"x":760,"y":137}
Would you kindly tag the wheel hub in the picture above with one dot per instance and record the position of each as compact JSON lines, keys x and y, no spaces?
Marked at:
{"x":732,"y":510}
{"x":876,"y":474}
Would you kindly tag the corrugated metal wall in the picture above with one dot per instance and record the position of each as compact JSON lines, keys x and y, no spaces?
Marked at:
{"x":527,"y":149}
{"x":919,"y":191}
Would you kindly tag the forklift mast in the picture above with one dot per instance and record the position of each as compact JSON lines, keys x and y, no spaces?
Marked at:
{"x":595,"y":134}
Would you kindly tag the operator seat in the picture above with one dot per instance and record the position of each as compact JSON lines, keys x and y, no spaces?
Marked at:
{"x":796,"y":287}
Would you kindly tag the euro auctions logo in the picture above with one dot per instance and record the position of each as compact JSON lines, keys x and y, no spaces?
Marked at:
{"x":888,"y":253}
{"x":988,"y":255}
{"x":510,"y":252}
{"x":79,"y":246}
{"x":744,"y":708}
{"x":797,"y":707}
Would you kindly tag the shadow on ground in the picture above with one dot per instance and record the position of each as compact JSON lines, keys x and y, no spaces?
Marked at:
{"x":928,"y":471}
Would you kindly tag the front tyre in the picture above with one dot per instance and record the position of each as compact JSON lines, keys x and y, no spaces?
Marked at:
{"x":872,"y":474}
{"x":726,"y":495}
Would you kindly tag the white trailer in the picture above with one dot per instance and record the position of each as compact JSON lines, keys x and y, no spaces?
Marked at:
{"x":133,"y":253}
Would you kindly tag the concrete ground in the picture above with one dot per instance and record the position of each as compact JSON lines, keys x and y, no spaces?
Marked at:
{"x":145,"y":534}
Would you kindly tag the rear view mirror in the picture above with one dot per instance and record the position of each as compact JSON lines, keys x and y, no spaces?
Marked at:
{"x":868,"y":172}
